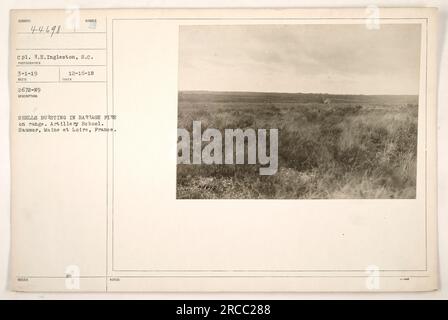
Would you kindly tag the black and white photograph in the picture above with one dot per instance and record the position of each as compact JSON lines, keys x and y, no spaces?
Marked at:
{"x":298,"y":111}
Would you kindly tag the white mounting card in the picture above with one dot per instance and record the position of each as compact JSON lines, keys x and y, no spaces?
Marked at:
{"x":305,"y":156}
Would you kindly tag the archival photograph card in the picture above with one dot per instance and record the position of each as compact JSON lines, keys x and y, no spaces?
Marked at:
{"x":238,"y":150}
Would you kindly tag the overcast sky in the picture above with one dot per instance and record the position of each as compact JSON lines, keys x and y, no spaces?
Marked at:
{"x":341,"y":59}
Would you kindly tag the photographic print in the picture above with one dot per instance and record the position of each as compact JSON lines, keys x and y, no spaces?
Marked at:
{"x":298,"y":111}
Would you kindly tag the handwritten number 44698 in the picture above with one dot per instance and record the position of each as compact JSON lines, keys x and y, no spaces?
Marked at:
{"x":51,"y":30}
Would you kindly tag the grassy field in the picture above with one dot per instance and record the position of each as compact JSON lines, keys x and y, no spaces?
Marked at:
{"x":347,"y":147}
